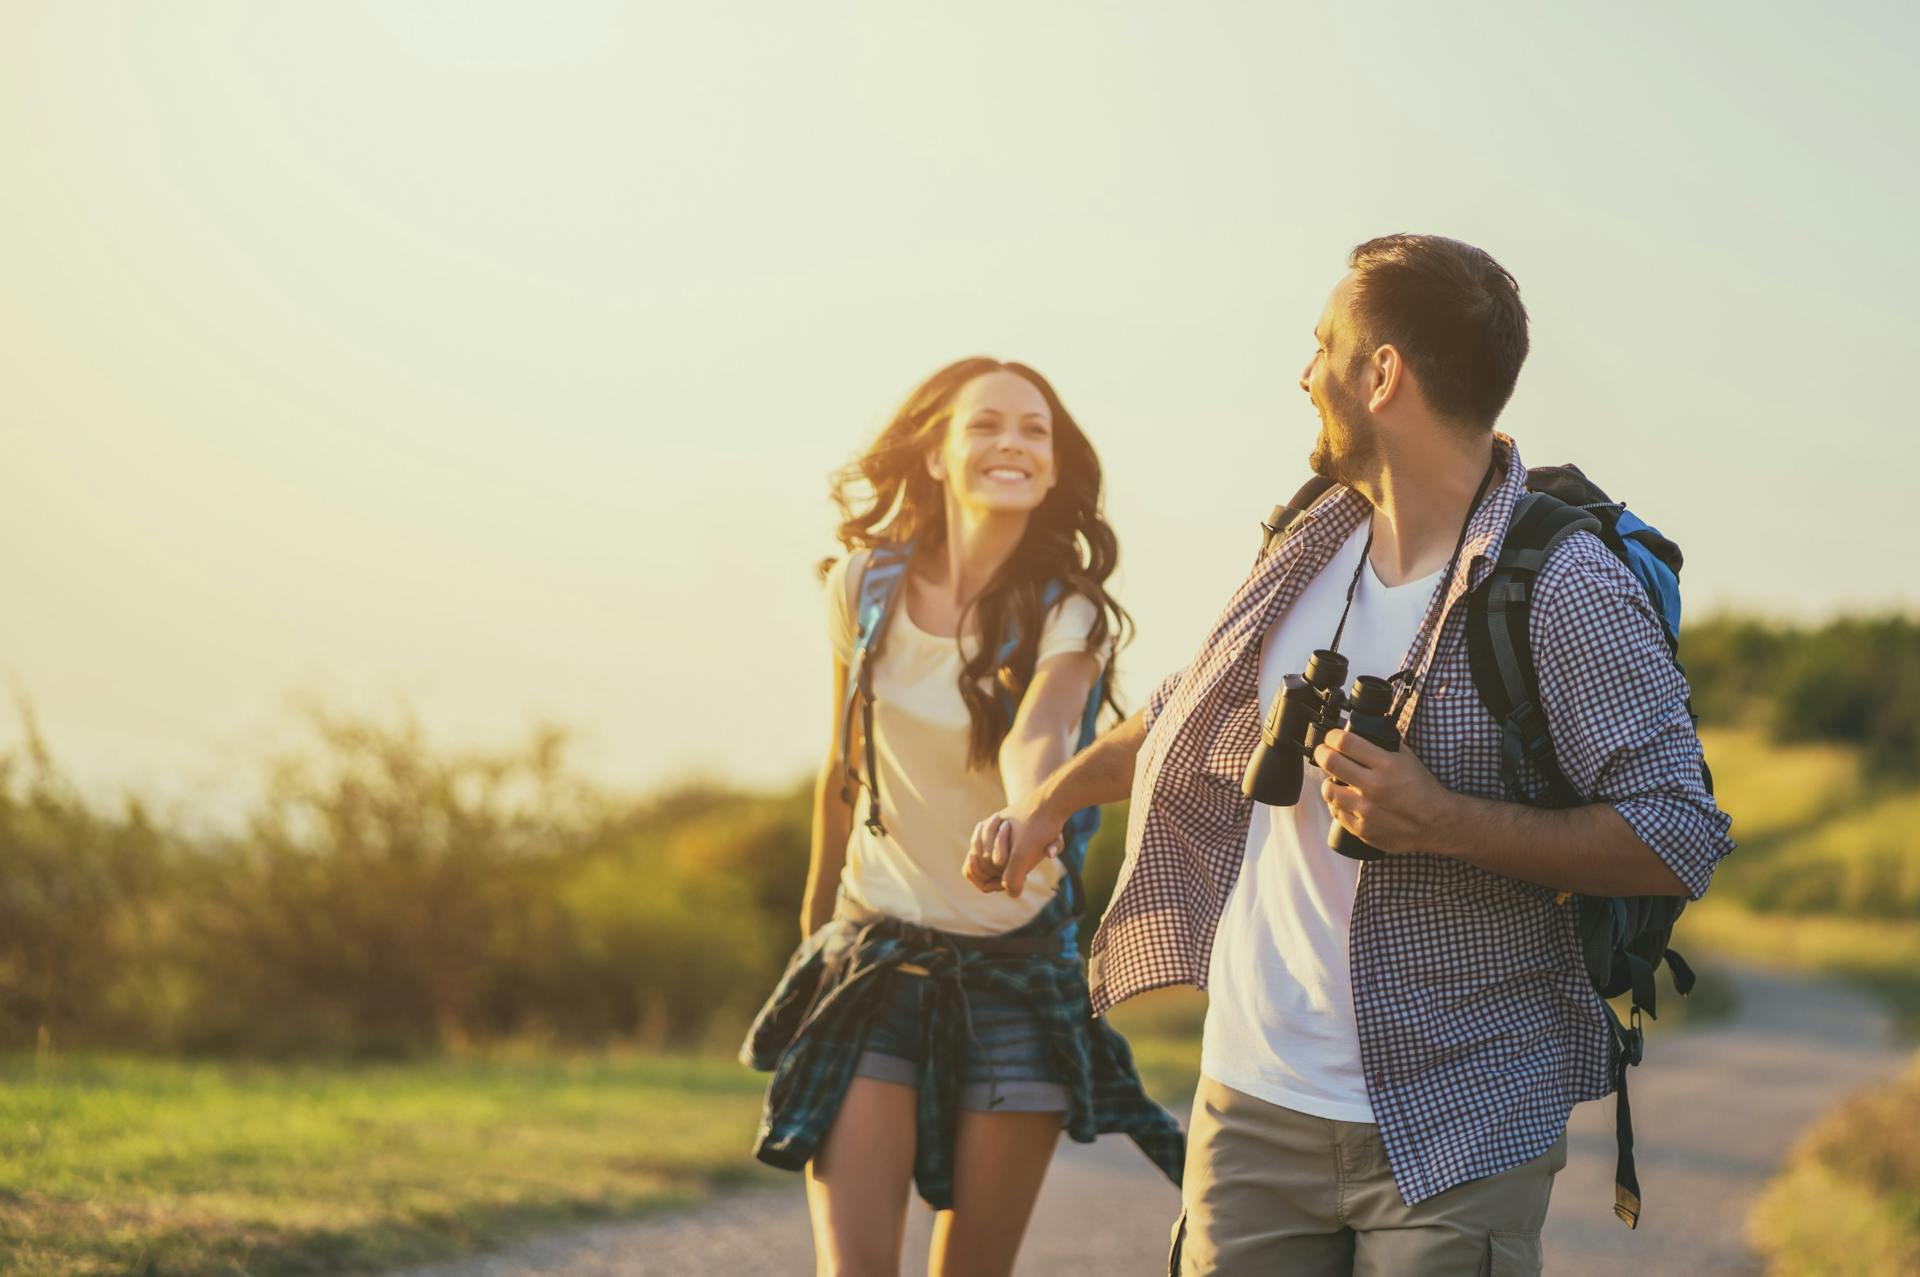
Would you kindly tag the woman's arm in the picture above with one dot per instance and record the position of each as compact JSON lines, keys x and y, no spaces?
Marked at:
{"x":832,"y":823}
{"x":1045,"y":726}
{"x":1040,"y":741}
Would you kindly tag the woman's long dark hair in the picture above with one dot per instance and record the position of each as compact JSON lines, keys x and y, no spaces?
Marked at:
{"x":887,"y":495}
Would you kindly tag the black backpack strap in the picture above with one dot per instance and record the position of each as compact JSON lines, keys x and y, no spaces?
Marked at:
{"x":1500,"y":653}
{"x":1628,"y":1042}
{"x":1274,"y":528}
{"x":1500,"y":643}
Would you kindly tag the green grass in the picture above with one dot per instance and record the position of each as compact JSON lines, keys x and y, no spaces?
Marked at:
{"x":1163,"y":1028}
{"x":1816,"y":837}
{"x":119,"y":1165}
{"x":112,"y":1165}
{"x":1827,"y":875}
{"x":1879,"y":956}
{"x":1827,"y":880}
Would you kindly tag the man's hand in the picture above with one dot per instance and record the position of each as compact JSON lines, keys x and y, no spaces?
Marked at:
{"x":1389,"y":799}
{"x":1008,"y":845}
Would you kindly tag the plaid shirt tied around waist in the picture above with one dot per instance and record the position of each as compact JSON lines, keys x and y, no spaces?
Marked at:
{"x":1478,"y":1028}
{"x":810,"y":1032}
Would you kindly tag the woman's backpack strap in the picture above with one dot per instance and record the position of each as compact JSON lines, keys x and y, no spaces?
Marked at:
{"x":875,"y":604}
{"x":875,"y":600}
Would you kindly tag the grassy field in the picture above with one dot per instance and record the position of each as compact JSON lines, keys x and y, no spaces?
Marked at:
{"x":116,"y":1165}
{"x":126,"y":1165}
{"x":1827,"y":880}
{"x":120,"y":1166}
{"x":1827,"y":876}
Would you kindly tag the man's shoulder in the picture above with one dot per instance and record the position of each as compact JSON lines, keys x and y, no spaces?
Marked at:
{"x":1585,"y":594}
{"x":1582,"y":570}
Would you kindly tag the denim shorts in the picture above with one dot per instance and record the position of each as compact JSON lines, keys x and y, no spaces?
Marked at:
{"x":1006,"y":1071}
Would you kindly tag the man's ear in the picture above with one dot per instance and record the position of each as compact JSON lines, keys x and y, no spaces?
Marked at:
{"x":1387,"y":371}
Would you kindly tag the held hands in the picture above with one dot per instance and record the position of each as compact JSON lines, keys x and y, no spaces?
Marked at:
{"x":1389,"y":799}
{"x":1009,"y":844}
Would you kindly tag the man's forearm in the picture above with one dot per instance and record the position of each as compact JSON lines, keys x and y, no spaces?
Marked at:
{"x":1591,"y":849}
{"x":1100,"y":773}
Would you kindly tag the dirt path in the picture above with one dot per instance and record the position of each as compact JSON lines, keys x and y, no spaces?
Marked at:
{"x":1715,"y":1109}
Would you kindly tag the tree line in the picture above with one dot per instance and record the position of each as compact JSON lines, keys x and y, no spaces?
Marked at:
{"x":384,"y":896}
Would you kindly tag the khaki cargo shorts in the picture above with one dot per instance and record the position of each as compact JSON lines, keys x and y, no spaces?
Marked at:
{"x":1269,"y":1190}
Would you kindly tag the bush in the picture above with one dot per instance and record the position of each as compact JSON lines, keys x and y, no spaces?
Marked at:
{"x":387,"y":897}
{"x":1730,"y":663}
{"x":1849,"y":1200}
{"x":80,"y":895}
{"x":1852,"y":681}
{"x":365,"y":906}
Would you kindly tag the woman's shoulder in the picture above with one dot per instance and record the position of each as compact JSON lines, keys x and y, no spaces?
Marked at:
{"x":847,"y":574}
{"x":1070,"y":623}
{"x":1068,"y":605}
{"x":838,"y":575}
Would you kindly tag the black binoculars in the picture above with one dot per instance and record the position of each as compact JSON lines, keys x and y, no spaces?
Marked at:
{"x":1308,"y":707}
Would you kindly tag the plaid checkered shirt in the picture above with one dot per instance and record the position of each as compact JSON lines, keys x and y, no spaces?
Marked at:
{"x":810,"y":1033}
{"x":1479,"y":1030}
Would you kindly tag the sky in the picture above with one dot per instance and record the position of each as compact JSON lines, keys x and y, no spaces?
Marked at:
{"x":488,"y":361}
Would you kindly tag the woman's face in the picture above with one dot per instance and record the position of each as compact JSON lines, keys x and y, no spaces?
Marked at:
{"x":998,"y":453}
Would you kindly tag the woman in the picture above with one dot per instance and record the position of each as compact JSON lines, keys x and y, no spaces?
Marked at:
{"x":927,"y":1032}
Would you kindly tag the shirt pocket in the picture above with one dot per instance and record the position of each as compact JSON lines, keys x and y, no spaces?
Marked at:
{"x":1457,"y":738}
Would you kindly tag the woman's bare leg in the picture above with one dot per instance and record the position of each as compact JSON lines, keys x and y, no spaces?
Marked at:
{"x":999,"y":1161}
{"x":857,"y":1183}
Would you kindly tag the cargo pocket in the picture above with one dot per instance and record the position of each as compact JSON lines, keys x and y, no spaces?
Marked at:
{"x":1173,"y":1250}
{"x":1513,"y":1255}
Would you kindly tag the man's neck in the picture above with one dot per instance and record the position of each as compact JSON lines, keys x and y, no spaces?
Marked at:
{"x":1420,"y":503}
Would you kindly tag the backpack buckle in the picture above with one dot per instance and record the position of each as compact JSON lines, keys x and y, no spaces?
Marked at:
{"x":1527,"y":720}
{"x":1633,"y":1042}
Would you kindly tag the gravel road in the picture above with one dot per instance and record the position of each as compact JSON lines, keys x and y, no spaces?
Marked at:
{"x":1715,"y":1109}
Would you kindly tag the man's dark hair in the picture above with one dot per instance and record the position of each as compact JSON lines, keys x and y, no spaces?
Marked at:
{"x":1452,"y":312}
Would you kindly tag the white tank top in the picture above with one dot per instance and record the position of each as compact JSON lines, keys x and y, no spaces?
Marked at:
{"x":930,"y":800}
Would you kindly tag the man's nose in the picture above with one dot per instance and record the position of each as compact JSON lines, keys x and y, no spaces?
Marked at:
{"x":1306,"y":373}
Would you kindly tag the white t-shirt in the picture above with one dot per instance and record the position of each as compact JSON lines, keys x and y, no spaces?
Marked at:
{"x":1280,"y":1023}
{"x":930,"y":799}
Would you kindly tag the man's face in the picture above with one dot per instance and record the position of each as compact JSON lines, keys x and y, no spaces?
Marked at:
{"x":1348,"y":438}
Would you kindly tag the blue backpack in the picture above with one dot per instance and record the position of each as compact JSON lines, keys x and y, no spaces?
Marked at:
{"x":1623,"y":939}
{"x":879,"y":593}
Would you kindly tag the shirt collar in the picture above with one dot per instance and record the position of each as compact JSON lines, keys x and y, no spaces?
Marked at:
{"x":1487,"y":529}
{"x":1342,"y":510}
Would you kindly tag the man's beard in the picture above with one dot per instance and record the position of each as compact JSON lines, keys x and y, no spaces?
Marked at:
{"x":1347,"y":443}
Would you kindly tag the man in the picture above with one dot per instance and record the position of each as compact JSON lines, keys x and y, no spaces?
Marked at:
{"x":1391,"y":1048}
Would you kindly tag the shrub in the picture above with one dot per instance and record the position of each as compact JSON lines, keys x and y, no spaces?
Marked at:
{"x":80,"y":895}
